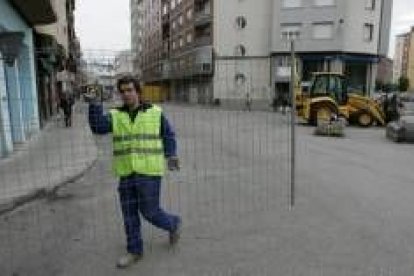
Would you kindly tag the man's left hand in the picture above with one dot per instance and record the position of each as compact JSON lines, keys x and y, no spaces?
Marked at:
{"x":173,"y":163}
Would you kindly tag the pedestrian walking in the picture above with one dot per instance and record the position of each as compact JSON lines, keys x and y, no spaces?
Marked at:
{"x":284,"y":102}
{"x":66,"y":103}
{"x":275,"y":104}
{"x":393,"y":107}
{"x":142,"y":139}
{"x":248,"y":102}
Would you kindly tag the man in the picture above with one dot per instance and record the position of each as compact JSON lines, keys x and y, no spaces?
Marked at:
{"x":248,"y":102}
{"x":66,"y":103}
{"x":142,"y":139}
{"x":284,"y":102}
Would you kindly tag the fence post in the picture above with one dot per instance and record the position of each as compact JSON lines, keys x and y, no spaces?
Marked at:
{"x":293,"y":124}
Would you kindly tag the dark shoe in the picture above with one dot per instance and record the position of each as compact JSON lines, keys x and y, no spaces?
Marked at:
{"x":128,"y":260}
{"x":175,"y":235}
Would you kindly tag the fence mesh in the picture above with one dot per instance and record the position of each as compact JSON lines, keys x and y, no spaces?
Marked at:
{"x":234,"y":149}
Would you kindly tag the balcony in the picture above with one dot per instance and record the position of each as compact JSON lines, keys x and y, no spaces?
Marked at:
{"x":37,"y":12}
{"x":196,"y":69}
{"x":164,"y":54}
{"x":201,"y":2}
{"x":165,"y":19}
{"x":198,"y":42}
{"x":197,"y":62}
{"x":165,"y":14}
{"x":202,"y":41}
{"x":202,"y":17}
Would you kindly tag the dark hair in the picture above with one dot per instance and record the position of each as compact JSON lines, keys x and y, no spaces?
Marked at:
{"x":127,"y":80}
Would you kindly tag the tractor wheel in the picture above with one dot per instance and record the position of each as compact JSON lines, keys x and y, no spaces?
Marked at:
{"x":365,"y":119}
{"x":323,"y":115}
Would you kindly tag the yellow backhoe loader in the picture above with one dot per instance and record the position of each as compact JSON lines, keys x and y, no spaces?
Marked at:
{"x":329,"y":96}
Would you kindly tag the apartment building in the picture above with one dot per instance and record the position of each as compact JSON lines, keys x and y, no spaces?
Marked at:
{"x":137,"y":35}
{"x":57,"y":56}
{"x":385,"y":70}
{"x":224,"y":51}
{"x":410,"y":61}
{"x":346,"y":36}
{"x":19,"y":109}
{"x":176,"y":45}
{"x":401,"y":56}
{"x":404,"y":57}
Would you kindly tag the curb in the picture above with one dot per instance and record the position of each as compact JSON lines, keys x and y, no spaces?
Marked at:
{"x":43,"y":192}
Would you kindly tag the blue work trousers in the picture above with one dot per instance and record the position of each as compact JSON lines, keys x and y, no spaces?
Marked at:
{"x":141,"y":194}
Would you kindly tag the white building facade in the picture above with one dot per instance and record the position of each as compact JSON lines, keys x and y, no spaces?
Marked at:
{"x":241,"y":42}
{"x":346,"y":36}
{"x":246,"y":43}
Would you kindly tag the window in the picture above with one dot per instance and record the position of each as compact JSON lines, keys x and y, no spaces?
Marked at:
{"x":370,"y":4}
{"x":323,"y":30}
{"x":292,"y":3}
{"x":290,"y":30}
{"x":189,"y":14}
{"x":324,"y":2}
{"x":172,"y":4}
{"x":241,"y":22}
{"x":173,"y":65}
{"x":239,"y":79}
{"x":240,"y":50}
{"x":182,"y":63}
{"x":181,"y":42}
{"x":165,"y":10}
{"x":174,"y":25}
{"x":368,"y":32}
{"x":189,"y":37}
{"x":190,"y":61}
{"x":181,"y":20}
{"x":319,"y":87}
{"x":174,"y":45}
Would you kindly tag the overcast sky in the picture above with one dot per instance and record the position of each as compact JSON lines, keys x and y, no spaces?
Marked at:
{"x":402,"y":19}
{"x":105,"y":24}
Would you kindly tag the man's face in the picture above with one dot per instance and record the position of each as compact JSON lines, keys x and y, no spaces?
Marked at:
{"x":129,"y":94}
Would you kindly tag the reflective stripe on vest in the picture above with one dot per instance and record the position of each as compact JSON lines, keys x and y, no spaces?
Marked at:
{"x":138,"y":151}
{"x":137,"y":146}
{"x":133,"y":137}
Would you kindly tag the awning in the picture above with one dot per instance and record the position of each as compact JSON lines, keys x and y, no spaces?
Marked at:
{"x":36,"y":12}
{"x":46,"y":52}
{"x":10,"y":45}
{"x":352,"y":58}
{"x":360,"y":58}
{"x":46,"y":65}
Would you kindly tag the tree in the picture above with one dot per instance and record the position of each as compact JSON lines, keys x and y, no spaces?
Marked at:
{"x":388,"y":87}
{"x":379,"y":85}
{"x":403,"y":84}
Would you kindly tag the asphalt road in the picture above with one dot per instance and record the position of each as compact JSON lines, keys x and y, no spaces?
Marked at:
{"x":353,"y":212}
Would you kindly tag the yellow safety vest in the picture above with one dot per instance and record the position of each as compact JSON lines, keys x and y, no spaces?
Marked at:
{"x":137,"y":146}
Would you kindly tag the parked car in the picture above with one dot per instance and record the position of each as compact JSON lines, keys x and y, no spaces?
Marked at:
{"x":402,"y":129}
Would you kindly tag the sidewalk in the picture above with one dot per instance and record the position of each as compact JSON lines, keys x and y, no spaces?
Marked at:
{"x":55,"y":157}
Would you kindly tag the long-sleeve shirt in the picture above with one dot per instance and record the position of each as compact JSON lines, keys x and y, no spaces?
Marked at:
{"x":101,"y":123}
